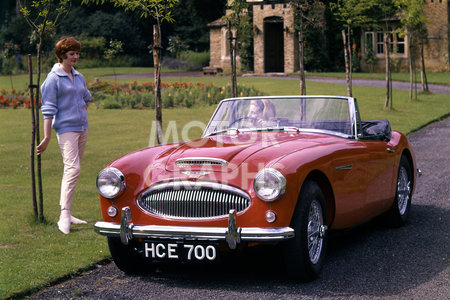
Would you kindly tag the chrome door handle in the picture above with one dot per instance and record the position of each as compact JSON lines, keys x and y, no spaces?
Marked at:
{"x":390,"y":150}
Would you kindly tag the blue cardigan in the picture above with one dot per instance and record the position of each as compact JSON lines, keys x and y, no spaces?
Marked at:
{"x":65,"y":101}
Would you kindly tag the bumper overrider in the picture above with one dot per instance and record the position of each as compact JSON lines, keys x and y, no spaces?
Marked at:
{"x":233,"y":235}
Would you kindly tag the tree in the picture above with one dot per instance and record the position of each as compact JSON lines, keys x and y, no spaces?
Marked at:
{"x":411,"y":14}
{"x":115,"y":47}
{"x":307,"y":14}
{"x":43,"y":16}
{"x":352,"y":14}
{"x":160,"y":11}
{"x":191,"y":18}
{"x":238,"y":8}
{"x":386,"y":11}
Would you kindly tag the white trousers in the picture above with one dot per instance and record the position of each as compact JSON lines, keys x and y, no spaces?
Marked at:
{"x":72,"y":146}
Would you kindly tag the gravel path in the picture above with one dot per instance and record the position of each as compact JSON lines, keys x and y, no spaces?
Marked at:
{"x":369,"y":262}
{"x":399,"y":85}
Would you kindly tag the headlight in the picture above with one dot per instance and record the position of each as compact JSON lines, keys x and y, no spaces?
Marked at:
{"x":110,"y":182}
{"x":269,"y":184}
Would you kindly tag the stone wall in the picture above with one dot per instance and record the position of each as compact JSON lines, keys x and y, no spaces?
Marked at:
{"x":284,"y":11}
{"x":219,"y":48}
{"x":436,"y":50}
{"x":437,"y":47}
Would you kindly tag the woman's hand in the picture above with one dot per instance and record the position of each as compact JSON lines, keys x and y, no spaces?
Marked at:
{"x":47,"y":135}
{"x":42,"y":146}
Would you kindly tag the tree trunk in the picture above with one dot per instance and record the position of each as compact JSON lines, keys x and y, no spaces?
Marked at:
{"x":301,"y":63}
{"x":415,"y":76}
{"x":350,"y":60}
{"x":157,"y":65}
{"x":411,"y":66}
{"x":38,"y":138}
{"x":347,"y":65}
{"x":388,"y":75}
{"x":411,"y":70}
{"x":232,"y":59}
{"x":423,"y":74}
{"x":33,"y":138}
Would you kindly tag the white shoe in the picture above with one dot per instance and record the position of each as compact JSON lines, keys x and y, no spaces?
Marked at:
{"x":64,"y":221}
{"x":74,"y":220}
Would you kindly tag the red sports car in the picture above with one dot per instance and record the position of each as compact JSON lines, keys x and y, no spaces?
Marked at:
{"x":267,"y":170}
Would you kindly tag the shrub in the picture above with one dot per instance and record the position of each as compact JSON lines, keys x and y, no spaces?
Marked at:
{"x":93,"y":46}
{"x":188,"y":61}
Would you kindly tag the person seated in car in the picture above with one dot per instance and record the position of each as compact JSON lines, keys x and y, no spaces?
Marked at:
{"x":261,"y":111}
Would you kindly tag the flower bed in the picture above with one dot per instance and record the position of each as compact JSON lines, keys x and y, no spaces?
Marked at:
{"x":14,"y":99}
{"x":137,"y":96}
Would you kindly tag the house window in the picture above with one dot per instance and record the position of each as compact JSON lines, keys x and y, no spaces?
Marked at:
{"x":396,"y":43}
{"x":400,"y":43}
{"x":369,"y":43}
{"x":380,"y":42}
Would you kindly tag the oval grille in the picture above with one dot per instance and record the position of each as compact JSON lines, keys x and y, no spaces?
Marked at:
{"x":193,"y":200}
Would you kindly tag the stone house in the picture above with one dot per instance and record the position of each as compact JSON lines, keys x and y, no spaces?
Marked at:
{"x":275,"y":41}
{"x":275,"y":44}
{"x":436,"y":42}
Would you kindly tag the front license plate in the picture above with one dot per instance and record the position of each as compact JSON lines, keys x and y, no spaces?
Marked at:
{"x":180,"y":251}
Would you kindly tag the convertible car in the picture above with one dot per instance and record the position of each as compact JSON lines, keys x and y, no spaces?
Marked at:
{"x":268,"y":170}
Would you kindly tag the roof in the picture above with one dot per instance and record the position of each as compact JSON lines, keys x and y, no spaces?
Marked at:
{"x":217,"y":23}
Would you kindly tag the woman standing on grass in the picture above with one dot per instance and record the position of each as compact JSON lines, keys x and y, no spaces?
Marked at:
{"x":65,"y":99}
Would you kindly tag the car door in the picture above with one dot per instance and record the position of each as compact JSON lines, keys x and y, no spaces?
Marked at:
{"x":380,"y":176}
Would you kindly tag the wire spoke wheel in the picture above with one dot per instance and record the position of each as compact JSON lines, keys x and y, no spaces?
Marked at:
{"x":315,"y":231}
{"x":398,"y":214}
{"x":403,"y":190}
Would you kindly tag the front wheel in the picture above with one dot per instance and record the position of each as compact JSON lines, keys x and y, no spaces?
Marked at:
{"x":305,"y":253}
{"x":399,"y":212}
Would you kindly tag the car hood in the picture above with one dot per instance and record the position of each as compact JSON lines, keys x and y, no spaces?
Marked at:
{"x":227,"y":152}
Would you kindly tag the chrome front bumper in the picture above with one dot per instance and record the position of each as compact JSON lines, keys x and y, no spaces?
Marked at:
{"x":233,"y":235}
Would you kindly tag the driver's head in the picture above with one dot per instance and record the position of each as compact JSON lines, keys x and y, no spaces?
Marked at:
{"x":261,"y":109}
{"x":256,"y":109}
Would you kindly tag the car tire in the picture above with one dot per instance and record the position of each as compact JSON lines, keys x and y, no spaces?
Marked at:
{"x":127,"y":257}
{"x":399,"y":212}
{"x":305,"y":253}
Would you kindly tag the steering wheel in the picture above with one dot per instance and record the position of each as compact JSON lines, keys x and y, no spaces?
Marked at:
{"x":251,"y":120}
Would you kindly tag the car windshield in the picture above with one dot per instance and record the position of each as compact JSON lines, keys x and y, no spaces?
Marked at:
{"x":324,"y":113}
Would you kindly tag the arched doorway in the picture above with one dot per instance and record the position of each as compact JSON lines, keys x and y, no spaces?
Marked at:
{"x":273,"y":45}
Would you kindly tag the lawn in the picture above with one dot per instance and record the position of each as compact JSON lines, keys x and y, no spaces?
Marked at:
{"x":32,"y":255}
{"x":21,"y":81}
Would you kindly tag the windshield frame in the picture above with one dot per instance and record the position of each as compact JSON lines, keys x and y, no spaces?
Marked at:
{"x":354,"y":117}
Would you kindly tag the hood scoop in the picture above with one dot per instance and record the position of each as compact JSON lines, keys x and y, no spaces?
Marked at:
{"x":200,"y":161}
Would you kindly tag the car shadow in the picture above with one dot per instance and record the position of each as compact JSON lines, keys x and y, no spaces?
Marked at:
{"x":369,"y":260}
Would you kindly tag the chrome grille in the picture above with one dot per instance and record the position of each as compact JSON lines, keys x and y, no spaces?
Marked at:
{"x":193,"y":200}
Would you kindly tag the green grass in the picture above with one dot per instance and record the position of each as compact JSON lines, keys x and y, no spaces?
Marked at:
{"x":34,"y":254}
{"x":433,"y":78}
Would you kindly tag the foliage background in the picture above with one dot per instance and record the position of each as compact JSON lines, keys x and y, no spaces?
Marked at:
{"x":96,"y":26}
